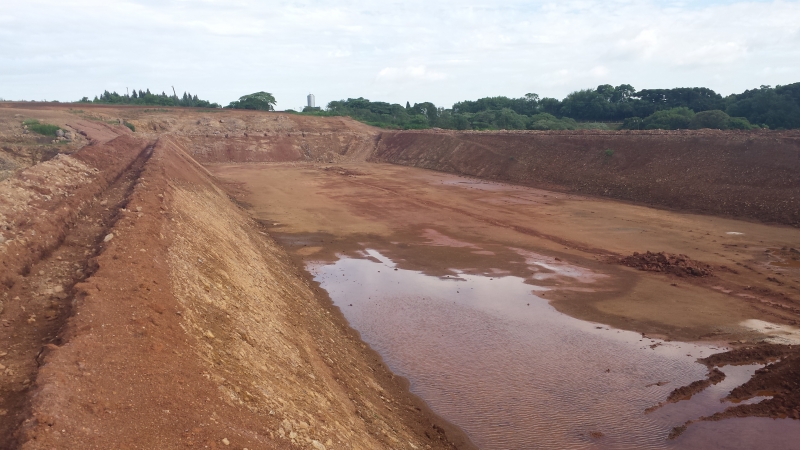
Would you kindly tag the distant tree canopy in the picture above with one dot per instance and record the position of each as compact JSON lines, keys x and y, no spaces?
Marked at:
{"x":146,"y":98}
{"x":777,"y":107}
{"x":262,"y":101}
{"x":623,"y":106}
{"x":603,"y":107}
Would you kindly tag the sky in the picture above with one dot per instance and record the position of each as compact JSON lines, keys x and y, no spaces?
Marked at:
{"x":414,"y":50}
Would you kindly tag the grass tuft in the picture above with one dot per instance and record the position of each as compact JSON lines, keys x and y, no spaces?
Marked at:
{"x":45,"y":129}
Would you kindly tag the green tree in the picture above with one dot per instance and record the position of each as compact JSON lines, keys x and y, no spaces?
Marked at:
{"x":777,"y":107}
{"x":669,"y":119}
{"x":714,"y":118}
{"x":262,"y":101}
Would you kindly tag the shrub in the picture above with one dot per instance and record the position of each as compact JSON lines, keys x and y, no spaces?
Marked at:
{"x":714,"y":119}
{"x":632,"y":123}
{"x":669,"y":119}
{"x":45,"y":129}
{"x":740,"y":123}
{"x":129,"y":125}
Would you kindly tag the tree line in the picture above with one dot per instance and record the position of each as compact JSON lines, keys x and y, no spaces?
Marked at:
{"x":148,"y":98}
{"x":678,"y":108}
{"x":604,"y":107}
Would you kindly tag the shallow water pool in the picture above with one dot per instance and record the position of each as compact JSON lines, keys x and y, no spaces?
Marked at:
{"x":491,"y":356}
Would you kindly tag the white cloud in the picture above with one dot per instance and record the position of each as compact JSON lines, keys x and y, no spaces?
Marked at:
{"x":410,"y":73}
{"x":392,"y":51}
{"x":599,"y":71}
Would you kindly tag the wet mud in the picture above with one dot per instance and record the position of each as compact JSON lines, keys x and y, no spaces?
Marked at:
{"x":507,"y":310}
{"x":489,"y":353}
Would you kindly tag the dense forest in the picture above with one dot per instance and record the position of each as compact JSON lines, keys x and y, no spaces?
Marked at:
{"x":606,"y":107}
{"x":147,"y":98}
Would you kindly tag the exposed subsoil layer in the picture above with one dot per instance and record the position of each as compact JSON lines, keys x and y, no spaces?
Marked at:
{"x":752,"y":175}
{"x":38,"y":301}
{"x":141,"y":308}
{"x":188,"y":327}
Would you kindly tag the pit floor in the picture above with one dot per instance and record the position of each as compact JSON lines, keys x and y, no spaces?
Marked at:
{"x":549,"y":249}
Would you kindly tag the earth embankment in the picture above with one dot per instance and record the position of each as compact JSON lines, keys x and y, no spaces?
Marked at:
{"x":752,"y":175}
{"x":194,"y":329}
{"x":256,"y":136}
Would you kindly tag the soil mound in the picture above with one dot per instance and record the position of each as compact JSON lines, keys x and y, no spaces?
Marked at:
{"x":680,"y":265}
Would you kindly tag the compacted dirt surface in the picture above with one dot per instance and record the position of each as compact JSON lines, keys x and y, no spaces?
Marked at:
{"x":153,"y":292}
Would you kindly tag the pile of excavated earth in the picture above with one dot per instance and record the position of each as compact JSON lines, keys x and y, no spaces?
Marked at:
{"x":680,"y":265}
{"x":141,"y":306}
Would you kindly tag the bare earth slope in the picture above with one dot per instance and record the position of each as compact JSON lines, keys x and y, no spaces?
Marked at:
{"x":194,"y":330}
{"x":742,"y":174}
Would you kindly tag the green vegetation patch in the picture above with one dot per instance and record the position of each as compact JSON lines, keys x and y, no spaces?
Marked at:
{"x":45,"y":129}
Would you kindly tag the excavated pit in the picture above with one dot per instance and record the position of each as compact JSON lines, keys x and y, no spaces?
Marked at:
{"x":503,"y":307}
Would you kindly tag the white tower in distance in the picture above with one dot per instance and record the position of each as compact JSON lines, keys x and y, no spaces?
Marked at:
{"x":311,"y":100}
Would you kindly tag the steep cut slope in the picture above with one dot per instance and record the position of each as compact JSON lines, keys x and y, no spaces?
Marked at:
{"x":197,"y":331}
{"x":257,"y":136}
{"x":743,"y":174}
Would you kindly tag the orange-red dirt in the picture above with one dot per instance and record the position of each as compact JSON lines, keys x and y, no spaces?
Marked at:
{"x":752,"y":175}
{"x":142,"y":308}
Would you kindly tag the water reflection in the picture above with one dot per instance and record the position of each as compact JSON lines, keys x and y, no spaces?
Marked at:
{"x":490,"y":356}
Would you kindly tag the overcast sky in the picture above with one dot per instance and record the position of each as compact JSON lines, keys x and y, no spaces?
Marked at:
{"x":414,"y":50}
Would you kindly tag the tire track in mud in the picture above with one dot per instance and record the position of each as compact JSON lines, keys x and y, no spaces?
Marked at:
{"x":39,"y":305}
{"x":520,"y":229}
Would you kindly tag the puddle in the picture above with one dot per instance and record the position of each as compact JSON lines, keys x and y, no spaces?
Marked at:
{"x":556,"y":268}
{"x":776,"y":334}
{"x":488,"y":354}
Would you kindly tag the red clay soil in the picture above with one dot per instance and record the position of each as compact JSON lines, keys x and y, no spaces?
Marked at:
{"x":779,"y":380}
{"x":680,"y":265}
{"x":742,"y":174}
{"x":686,"y":392}
{"x":147,"y":311}
{"x":49,"y":245}
{"x":255,"y":136}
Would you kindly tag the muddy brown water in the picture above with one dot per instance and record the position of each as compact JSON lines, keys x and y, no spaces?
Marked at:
{"x":490,"y":354}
